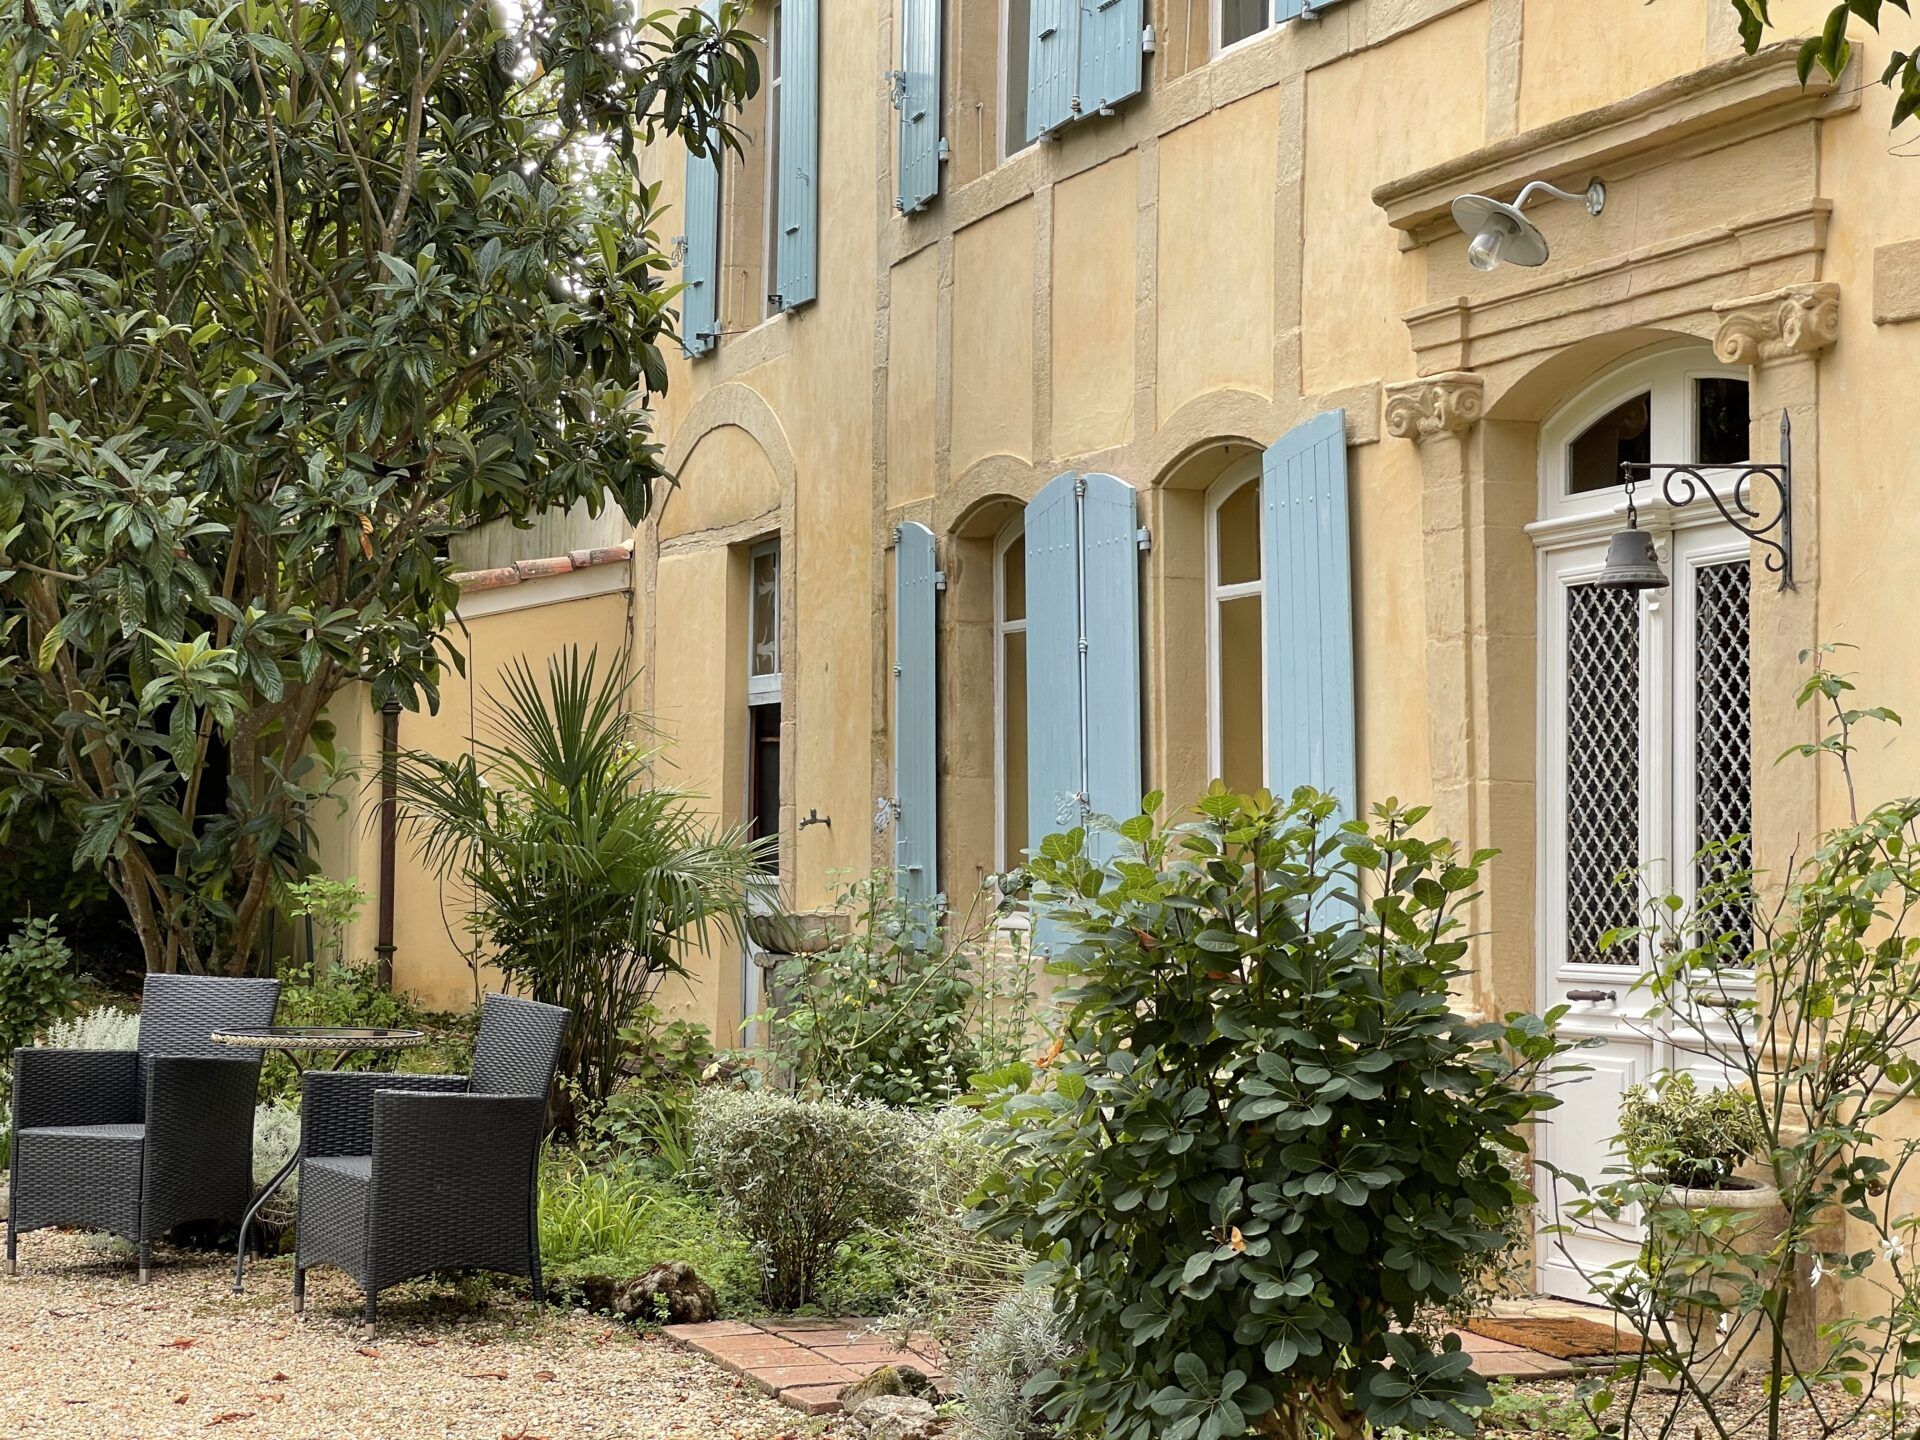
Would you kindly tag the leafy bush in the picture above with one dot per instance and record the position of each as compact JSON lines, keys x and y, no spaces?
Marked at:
{"x":105,"y":1027}
{"x":276,"y":1135}
{"x":1021,"y":1339}
{"x":1673,"y":1131}
{"x":620,"y":1221}
{"x":802,"y":1177}
{"x":907,"y":1009}
{"x":37,"y":985}
{"x":591,"y":880}
{"x":665,"y":1054}
{"x":1260,"y":1149}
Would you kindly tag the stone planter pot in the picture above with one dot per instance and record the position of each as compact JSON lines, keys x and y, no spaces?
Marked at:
{"x":1752,"y":1219}
{"x":803,"y":932}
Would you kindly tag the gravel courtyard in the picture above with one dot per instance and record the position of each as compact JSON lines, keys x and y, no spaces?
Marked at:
{"x":85,"y":1352}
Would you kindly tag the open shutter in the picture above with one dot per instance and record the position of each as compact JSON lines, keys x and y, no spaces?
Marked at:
{"x":1110,"y":601}
{"x":796,"y":261}
{"x":916,"y":828}
{"x":1052,"y":63}
{"x":1309,"y":611}
{"x":1053,"y":660}
{"x":1109,"y":60}
{"x":1290,"y":9}
{"x":700,"y":269}
{"x":918,"y":96}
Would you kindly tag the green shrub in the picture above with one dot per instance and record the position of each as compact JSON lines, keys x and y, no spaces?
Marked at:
{"x":1261,"y":1148}
{"x":1020,"y":1339}
{"x":907,"y":1009}
{"x":620,"y":1221}
{"x":665,"y":1054}
{"x":105,"y":1027}
{"x":37,"y":985}
{"x":802,"y":1177}
{"x":1679,"y":1134}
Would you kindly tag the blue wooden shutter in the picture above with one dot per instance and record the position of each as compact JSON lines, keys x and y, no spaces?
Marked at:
{"x":916,"y":825}
{"x":796,"y":262}
{"x":1309,"y":611}
{"x":700,"y":269}
{"x":1054,"y":775}
{"x":1052,"y":63}
{"x":918,"y":96}
{"x":1110,"y":600}
{"x":1109,"y":60}
{"x":1290,"y":9}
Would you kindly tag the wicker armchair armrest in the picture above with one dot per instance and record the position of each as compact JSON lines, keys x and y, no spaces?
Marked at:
{"x":336,"y":1106}
{"x":75,"y":1087}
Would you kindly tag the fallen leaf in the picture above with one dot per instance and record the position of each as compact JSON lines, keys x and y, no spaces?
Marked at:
{"x":181,"y":1398}
{"x":485,"y":1374}
{"x":277,"y":1376}
{"x":544,"y":1375}
{"x":423,"y":1340}
{"x":230,"y":1415}
{"x":366,"y":1350}
{"x":180,"y":1342}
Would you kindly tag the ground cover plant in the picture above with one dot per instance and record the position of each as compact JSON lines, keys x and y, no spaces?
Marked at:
{"x":288,"y":292}
{"x":1261,"y":1145}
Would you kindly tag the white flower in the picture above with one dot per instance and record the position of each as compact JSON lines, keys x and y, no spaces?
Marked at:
{"x":1891,"y":1248}
{"x":1818,"y":1271}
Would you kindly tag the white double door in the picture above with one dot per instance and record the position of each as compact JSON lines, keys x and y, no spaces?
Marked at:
{"x":1645,"y":755}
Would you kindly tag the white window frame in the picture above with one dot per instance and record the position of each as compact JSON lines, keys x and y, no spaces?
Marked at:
{"x":764,"y":689}
{"x":1001,"y":144}
{"x":1015,"y":533}
{"x":1216,"y":23}
{"x":1241,"y":474}
{"x":1570,"y":540}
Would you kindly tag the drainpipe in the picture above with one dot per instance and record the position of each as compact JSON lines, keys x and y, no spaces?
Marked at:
{"x":389,"y":782}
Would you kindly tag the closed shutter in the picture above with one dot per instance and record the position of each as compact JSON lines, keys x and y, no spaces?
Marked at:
{"x":1110,"y":591}
{"x":1309,"y":611}
{"x":916,"y":825}
{"x":1052,"y":63}
{"x":700,"y":269}
{"x":797,"y":261}
{"x":918,"y":97}
{"x":1053,"y":660}
{"x":1109,"y":54}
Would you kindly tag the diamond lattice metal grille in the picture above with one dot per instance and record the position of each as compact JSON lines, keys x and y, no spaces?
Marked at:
{"x":1603,"y":768}
{"x":1723,"y":737}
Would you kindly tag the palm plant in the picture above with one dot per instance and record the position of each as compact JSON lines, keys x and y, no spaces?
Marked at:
{"x":590,"y":880}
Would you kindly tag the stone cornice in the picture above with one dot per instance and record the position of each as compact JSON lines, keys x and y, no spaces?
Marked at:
{"x":1793,"y":320}
{"x":1441,"y":404}
{"x":1702,"y":109}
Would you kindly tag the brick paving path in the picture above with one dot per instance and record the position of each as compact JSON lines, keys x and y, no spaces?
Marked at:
{"x":806,"y":1363}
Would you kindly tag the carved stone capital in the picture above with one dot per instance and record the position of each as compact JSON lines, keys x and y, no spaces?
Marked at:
{"x":1793,"y":320}
{"x":1435,"y":405}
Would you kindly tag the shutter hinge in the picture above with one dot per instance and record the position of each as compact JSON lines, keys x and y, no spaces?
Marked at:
{"x":895,"y":535}
{"x":940,"y":580}
{"x":1143,"y":537}
{"x":1307,"y":12}
{"x":897,"y":672}
{"x":883,"y":812}
{"x":896,"y":88}
{"x":679,"y":254}
{"x":944,"y":151}
{"x":1147,"y":42}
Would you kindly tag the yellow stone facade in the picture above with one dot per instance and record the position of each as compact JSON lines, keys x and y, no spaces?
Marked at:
{"x":1261,"y":235}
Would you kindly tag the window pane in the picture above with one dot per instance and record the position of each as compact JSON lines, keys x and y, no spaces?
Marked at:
{"x":1013,"y":581}
{"x":1603,"y":769}
{"x":1019,"y":24}
{"x":766,"y":614}
{"x":1594,"y":459}
{"x":1241,"y":18}
{"x":763,"y":778}
{"x":1722,"y":732}
{"x":1720,"y":420}
{"x":1237,"y":535}
{"x":1242,"y":684}
{"x":1013,"y":756}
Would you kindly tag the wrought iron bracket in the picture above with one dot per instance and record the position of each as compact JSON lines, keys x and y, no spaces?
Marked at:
{"x":1682,"y":484}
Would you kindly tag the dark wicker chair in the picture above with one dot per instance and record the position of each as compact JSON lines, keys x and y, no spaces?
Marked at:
{"x":135,"y":1142}
{"x":404,"y":1175}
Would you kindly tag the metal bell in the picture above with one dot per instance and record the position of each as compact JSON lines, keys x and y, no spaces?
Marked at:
{"x":1631,"y":563}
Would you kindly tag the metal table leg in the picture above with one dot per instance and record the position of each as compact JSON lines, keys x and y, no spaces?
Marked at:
{"x":266,"y":1194}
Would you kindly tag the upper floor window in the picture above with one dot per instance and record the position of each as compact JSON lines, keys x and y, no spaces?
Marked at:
{"x":1235,"y":21}
{"x":770,"y":252}
{"x":1010,"y":694}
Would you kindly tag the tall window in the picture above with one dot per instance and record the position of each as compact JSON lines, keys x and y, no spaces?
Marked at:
{"x":770,"y":263}
{"x":1236,"y":671}
{"x":1016,"y":23}
{"x":1010,"y":689}
{"x":763,"y":695}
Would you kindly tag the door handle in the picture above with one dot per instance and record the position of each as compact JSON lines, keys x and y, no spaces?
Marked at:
{"x":1596,"y":997}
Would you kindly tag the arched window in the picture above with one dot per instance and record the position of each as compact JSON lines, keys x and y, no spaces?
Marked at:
{"x":1236,"y":684}
{"x":1010,"y":694}
{"x":1644,"y":722}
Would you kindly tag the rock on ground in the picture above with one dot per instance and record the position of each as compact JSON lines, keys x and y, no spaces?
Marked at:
{"x":888,"y":1380}
{"x":898,"y":1417}
{"x":84,"y":1351}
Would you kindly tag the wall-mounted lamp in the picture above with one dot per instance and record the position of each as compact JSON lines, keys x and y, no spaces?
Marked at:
{"x":1500,"y":232}
{"x":1631,"y":561}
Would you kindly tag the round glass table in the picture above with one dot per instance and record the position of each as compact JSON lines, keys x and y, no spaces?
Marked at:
{"x":298,"y":1043}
